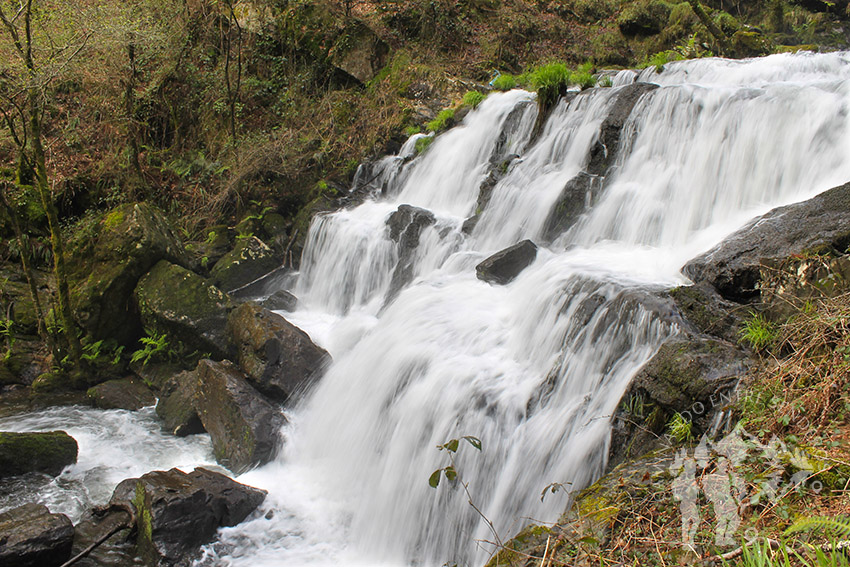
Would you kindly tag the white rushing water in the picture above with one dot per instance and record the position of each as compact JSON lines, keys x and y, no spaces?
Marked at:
{"x":534,"y":368}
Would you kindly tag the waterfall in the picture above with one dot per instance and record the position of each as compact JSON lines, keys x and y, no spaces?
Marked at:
{"x":534,"y":368}
{"x":425,"y":352}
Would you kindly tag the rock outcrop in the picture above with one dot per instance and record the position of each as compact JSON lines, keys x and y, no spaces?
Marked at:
{"x":129,"y":241}
{"x":126,"y":393}
{"x":819,"y":225}
{"x":176,"y":513}
{"x":278,"y":358}
{"x":503,"y":266}
{"x":30,"y":536}
{"x":249,"y":260}
{"x":48,"y":452}
{"x":180,"y":303}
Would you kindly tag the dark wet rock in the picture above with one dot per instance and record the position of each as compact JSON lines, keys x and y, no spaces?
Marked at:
{"x":817,"y":226}
{"x":405,"y":227}
{"x":30,"y":536}
{"x":176,"y":513}
{"x":176,"y":406}
{"x":180,"y":303}
{"x":362,"y":54}
{"x":469,"y":224}
{"x":104,"y":270}
{"x":275,"y":280}
{"x":243,"y":425}
{"x":47,"y":452}
{"x":692,"y":375}
{"x":26,"y":362}
{"x":578,"y":195}
{"x":126,"y":393}
{"x":278,"y":358}
{"x":281,"y":300}
{"x":708,"y":312}
{"x":249,"y":260}
{"x":505,"y":265}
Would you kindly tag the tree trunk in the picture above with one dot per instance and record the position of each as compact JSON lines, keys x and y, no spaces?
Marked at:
{"x":709,"y":23}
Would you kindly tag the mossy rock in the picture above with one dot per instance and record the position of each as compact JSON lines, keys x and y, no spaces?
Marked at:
{"x":249,"y":260}
{"x":176,"y":406}
{"x":126,"y":393}
{"x":646,"y":17}
{"x":182,"y":305}
{"x":47,"y":452}
{"x":105,"y":268}
{"x":750,"y":43}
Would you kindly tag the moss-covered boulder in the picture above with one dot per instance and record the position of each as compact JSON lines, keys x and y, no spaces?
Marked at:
{"x":126,"y":393}
{"x":708,"y":312}
{"x":360,"y":52}
{"x":690,"y":375}
{"x":176,"y":513}
{"x":278,"y":358}
{"x":105,"y":266}
{"x":47,"y":452}
{"x":30,"y":536}
{"x":249,"y":260}
{"x":181,"y":304}
{"x":818,"y":226}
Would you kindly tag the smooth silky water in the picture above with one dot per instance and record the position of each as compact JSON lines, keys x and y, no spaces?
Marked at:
{"x":534,"y":368}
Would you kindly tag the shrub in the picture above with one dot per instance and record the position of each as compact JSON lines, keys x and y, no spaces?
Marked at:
{"x":660,"y":59}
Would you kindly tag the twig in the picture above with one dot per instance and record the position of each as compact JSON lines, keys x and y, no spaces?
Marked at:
{"x":121,"y":526}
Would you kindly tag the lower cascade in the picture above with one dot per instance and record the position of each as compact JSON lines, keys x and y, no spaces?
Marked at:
{"x":425,"y":351}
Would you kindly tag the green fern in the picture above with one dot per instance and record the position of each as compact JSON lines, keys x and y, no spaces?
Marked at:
{"x":838,"y":527}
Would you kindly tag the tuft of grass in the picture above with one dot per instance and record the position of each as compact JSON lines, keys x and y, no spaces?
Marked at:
{"x":758,"y":332}
{"x":680,"y":428}
{"x":422,"y":144}
{"x":443,"y":120}
{"x":583,"y":76}
{"x":504,"y":82}
{"x":473,"y":99}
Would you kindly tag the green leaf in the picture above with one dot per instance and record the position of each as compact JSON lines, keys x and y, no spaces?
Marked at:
{"x":452,"y":445}
{"x":474,"y":441}
{"x":434,"y":479}
{"x":451,"y":473}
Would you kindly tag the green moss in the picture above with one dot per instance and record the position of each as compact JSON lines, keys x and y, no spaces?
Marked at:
{"x":113,"y":219}
{"x":473,"y":99}
{"x":504,"y":82}
{"x":444,"y":119}
{"x":423,"y":144}
{"x":47,"y":452}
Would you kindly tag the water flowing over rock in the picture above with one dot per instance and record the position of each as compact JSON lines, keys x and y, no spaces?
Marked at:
{"x":130,"y":240}
{"x":177,"y":512}
{"x":405,"y":227}
{"x":502,"y":267}
{"x":819,"y":225}
{"x":48,"y":452}
{"x":30,"y":536}
{"x":278,"y":358}
{"x":182,"y":304}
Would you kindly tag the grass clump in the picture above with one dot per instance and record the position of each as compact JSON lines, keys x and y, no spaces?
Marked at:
{"x":422,"y":144}
{"x":443,"y":120}
{"x":550,"y":81}
{"x":473,"y":99}
{"x":660,"y":59}
{"x":504,"y":82}
{"x":758,"y":332}
{"x":680,"y":428}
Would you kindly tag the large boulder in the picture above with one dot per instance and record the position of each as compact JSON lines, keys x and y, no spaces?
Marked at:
{"x":125,"y":393}
{"x":30,"y":536}
{"x":708,"y":312}
{"x":361,"y":53}
{"x":278,"y":358}
{"x":105,"y":269}
{"x":48,"y":452}
{"x":180,"y":303}
{"x":243,"y":425}
{"x":176,"y":513}
{"x":249,"y":260}
{"x":505,"y":265}
{"x":819,"y":225}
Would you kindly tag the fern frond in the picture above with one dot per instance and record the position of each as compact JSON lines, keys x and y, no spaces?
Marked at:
{"x":832,"y":526}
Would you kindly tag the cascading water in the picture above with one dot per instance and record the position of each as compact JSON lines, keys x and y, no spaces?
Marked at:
{"x":536,"y":367}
